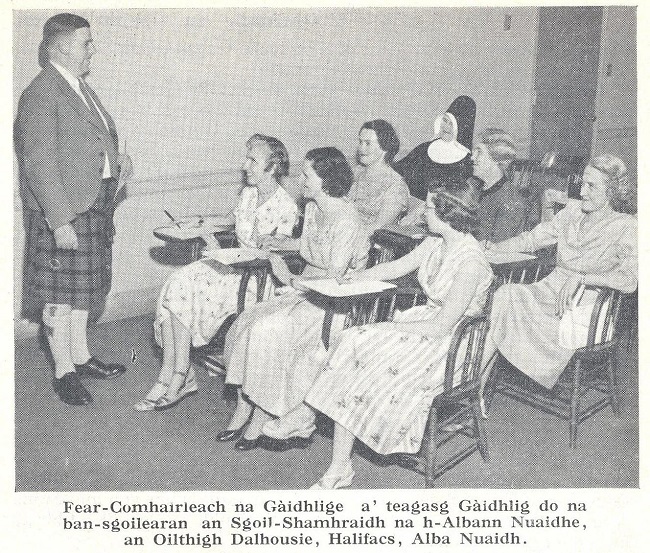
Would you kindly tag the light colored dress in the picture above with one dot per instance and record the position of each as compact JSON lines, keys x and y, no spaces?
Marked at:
{"x":379,"y":382}
{"x":375,"y":189}
{"x":525,"y":326}
{"x":203,"y":294}
{"x":271,"y":349}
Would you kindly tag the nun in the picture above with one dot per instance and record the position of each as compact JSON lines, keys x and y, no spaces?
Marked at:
{"x":447,"y":159}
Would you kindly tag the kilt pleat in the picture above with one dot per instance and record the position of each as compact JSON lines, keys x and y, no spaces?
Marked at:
{"x":80,"y":278}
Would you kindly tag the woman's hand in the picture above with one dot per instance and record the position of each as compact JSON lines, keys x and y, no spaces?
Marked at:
{"x":279,"y":268}
{"x":268,"y":242}
{"x":566,"y":294}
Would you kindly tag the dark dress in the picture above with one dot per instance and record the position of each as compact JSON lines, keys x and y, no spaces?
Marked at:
{"x":419,"y":170}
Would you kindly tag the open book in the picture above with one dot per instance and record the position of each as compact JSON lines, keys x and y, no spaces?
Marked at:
{"x":331,"y":287}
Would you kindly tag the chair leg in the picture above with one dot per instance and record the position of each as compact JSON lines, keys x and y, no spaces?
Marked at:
{"x":575,"y":403}
{"x":491,"y":386}
{"x":613,"y":383}
{"x":479,"y":423}
{"x":431,"y":449}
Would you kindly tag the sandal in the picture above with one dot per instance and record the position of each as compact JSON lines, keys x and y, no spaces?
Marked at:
{"x":334,"y":481}
{"x":148,"y":403}
{"x":188,"y":388}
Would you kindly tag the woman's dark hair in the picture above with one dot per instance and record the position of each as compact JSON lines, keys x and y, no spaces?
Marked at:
{"x":333,"y":169}
{"x":457,"y":205}
{"x":278,"y":156}
{"x":386,"y":136}
{"x":55,"y":26}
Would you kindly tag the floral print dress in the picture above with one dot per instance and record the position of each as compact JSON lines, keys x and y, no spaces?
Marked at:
{"x":203,"y":294}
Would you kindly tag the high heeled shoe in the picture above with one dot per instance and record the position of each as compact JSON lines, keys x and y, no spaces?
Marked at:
{"x":334,"y":481}
{"x":245,"y":444}
{"x":228,"y":435}
{"x":188,"y":389}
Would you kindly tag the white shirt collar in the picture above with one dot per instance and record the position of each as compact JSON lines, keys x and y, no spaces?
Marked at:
{"x":72,"y":80}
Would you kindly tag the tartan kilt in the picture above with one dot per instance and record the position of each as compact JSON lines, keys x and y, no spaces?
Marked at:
{"x":80,"y":278}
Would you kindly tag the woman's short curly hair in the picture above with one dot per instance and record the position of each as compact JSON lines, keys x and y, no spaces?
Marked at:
{"x":386,"y":136}
{"x":500,"y":146}
{"x":457,"y":205}
{"x":621,"y":190}
{"x":278,"y":159}
{"x":333,"y":169}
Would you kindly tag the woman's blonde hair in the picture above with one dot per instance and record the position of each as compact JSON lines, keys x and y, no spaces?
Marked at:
{"x":621,"y":191}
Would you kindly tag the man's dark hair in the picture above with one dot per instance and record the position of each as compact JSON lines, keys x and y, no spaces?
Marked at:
{"x":55,"y":26}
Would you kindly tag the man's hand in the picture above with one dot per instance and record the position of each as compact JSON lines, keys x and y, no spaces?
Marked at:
{"x":126,"y":166}
{"x":65,"y":237}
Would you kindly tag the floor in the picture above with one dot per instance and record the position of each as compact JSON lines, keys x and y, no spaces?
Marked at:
{"x":108,"y":446}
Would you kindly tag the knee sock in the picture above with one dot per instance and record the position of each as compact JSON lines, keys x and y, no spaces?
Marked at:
{"x":56,"y":319}
{"x":78,"y":336}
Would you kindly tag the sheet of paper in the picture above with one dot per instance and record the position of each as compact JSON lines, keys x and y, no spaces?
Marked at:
{"x":499,"y":258}
{"x":229,"y":256}
{"x":330,"y":287}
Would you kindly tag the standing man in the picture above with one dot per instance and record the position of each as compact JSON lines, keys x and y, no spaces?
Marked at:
{"x":66,"y":144}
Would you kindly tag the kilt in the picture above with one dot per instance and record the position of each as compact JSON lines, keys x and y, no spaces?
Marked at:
{"x":80,"y":278}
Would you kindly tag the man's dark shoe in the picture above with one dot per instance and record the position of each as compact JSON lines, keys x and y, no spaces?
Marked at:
{"x":96,"y":369}
{"x":71,"y":391}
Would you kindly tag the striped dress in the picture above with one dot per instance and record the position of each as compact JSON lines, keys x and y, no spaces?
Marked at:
{"x":379,"y":382}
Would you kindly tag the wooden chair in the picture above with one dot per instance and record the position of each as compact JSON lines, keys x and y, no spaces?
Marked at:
{"x":455,"y":425}
{"x":387,"y":246}
{"x":210,"y":356}
{"x":590,"y":381}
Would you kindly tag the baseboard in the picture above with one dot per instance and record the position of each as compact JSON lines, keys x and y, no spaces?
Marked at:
{"x":121,"y":305}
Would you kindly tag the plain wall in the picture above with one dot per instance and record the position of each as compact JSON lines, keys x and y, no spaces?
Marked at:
{"x":615,"y":128}
{"x":187,"y":87}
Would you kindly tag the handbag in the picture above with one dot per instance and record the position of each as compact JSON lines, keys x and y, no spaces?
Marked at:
{"x":574,"y":324}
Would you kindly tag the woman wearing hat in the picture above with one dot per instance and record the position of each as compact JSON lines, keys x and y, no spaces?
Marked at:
{"x":448,"y":158}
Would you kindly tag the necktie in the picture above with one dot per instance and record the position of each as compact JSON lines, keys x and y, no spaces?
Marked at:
{"x":91,"y":104}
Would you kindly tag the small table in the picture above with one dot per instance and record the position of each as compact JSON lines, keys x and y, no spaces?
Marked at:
{"x":192,"y":237}
{"x":359,"y":307}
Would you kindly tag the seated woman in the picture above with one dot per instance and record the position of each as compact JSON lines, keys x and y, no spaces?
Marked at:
{"x":268,"y":349}
{"x":379,"y":382}
{"x":504,"y":207}
{"x":447,"y":159}
{"x":196,"y":299}
{"x":596,"y":246}
{"x":379,"y":193}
